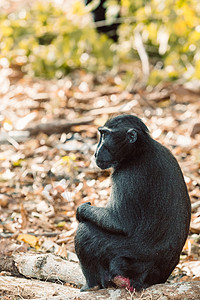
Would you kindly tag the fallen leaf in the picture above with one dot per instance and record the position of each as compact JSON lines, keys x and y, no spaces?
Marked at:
{"x":24,"y":217}
{"x":192,"y":268}
{"x":29,"y":239}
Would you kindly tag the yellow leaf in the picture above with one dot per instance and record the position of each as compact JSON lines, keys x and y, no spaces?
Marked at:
{"x":78,"y":8}
{"x":61,"y":224}
{"x":69,"y":159}
{"x":17,"y":163}
{"x":189,"y":16}
{"x":66,"y":159}
{"x":180,"y":27}
{"x":29,"y":239}
{"x":126,"y":3}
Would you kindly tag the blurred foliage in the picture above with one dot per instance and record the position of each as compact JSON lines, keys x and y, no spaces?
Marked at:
{"x":47,"y":41}
{"x":170,"y":30}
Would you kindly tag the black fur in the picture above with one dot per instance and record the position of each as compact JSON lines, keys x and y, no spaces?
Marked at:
{"x":142,"y":230}
{"x":99,"y":14}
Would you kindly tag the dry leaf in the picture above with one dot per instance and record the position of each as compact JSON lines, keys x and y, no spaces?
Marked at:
{"x":192,"y":268}
{"x":24,"y":217}
{"x":195,"y":227}
{"x":61,"y":251}
{"x":29,"y":239}
{"x":3,"y":200}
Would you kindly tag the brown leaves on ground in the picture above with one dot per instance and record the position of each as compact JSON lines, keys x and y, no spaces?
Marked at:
{"x":43,"y":178}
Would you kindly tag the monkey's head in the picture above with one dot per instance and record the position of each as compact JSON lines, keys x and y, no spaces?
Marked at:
{"x":121,"y":138}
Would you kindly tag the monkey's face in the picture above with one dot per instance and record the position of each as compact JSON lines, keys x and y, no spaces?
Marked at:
{"x":114,"y":146}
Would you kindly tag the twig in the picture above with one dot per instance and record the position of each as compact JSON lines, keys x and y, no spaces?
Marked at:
{"x":195,"y":205}
{"x":142,"y":54}
{"x":120,"y":20}
{"x":14,"y":137}
{"x":144,"y":99}
{"x":48,"y":234}
{"x":58,"y":126}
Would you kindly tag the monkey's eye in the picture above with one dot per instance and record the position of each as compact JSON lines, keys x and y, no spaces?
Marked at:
{"x":104,"y":131}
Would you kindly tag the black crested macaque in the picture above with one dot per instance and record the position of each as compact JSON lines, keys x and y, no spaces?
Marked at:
{"x":136,"y":240}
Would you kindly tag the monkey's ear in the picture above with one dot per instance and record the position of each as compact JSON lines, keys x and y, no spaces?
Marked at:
{"x":132,"y":135}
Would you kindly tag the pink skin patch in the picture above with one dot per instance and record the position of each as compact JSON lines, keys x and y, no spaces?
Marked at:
{"x":123,"y":282}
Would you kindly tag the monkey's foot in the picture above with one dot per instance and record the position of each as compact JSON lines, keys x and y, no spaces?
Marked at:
{"x":123,"y":282}
{"x":86,"y":288}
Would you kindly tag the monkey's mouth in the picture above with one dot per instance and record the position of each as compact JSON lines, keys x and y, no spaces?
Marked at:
{"x":105,"y":164}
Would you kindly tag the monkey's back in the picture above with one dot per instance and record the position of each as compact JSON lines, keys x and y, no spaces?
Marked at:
{"x":156,"y":207}
{"x":150,"y":191}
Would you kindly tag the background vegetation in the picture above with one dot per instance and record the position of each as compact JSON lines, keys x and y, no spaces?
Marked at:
{"x":48,"y":41}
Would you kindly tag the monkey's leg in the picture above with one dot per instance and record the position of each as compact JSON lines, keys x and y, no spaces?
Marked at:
{"x":86,"y":252}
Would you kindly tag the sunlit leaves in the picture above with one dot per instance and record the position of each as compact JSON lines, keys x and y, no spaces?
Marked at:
{"x":78,"y":8}
{"x":48,"y":42}
{"x":170,"y":32}
{"x":29,"y":239}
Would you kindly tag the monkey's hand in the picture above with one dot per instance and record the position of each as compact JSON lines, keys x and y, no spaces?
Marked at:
{"x":81,"y":211}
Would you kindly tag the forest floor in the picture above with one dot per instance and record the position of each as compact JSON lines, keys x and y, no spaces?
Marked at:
{"x":48,"y":135}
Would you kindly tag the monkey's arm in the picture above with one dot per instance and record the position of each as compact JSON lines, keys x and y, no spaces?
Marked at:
{"x":101,"y":217}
